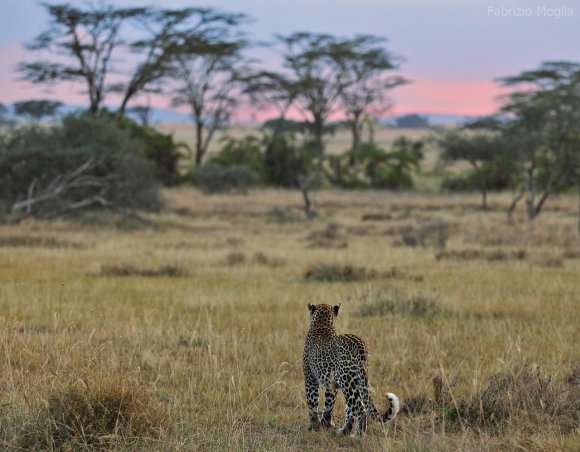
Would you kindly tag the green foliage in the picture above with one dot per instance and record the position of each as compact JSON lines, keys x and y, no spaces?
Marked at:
{"x":543,"y":131}
{"x":245,"y":151}
{"x":161,"y":149}
{"x":213,"y":178}
{"x":284,"y":125}
{"x":499,"y":175}
{"x":34,"y":160}
{"x":37,"y":109}
{"x":286,"y":161}
{"x":241,"y":163}
{"x":373,"y":167}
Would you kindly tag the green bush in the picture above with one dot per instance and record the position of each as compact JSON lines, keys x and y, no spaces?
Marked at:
{"x":498,"y":175}
{"x":159,"y":148}
{"x":35,"y":161}
{"x":212,"y":178}
{"x":245,"y":151}
{"x":372,"y":167}
{"x":285,"y":161}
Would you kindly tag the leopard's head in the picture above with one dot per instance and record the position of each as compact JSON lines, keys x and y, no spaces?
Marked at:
{"x":322,"y":315}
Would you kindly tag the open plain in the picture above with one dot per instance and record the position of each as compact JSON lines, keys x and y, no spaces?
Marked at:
{"x":185,"y":331}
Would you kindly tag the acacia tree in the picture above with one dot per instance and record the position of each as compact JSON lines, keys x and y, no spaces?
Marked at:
{"x":365,"y":64}
{"x":311,"y":62}
{"x":207,"y":76}
{"x":84,"y":42}
{"x":37,"y":109}
{"x":476,"y":148}
{"x":268,"y":89}
{"x":169,"y":37}
{"x":544,"y":132}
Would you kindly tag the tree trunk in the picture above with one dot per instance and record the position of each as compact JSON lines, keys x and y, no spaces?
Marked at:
{"x":123,"y":107}
{"x":318,"y":129}
{"x":356,"y":132}
{"x":513,"y":204}
{"x":304,"y":185}
{"x":540,"y":204}
{"x":199,"y":151}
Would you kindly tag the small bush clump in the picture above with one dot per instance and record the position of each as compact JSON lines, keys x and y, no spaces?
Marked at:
{"x":377,"y":217}
{"x":390,"y":301}
{"x":213,"y":178}
{"x":235,"y":258}
{"x":282,"y":216}
{"x":432,"y":233}
{"x":520,"y":395}
{"x":477,"y":254}
{"x":339,"y":273}
{"x":273,"y":262}
{"x":125,"y":270}
{"x":96,"y":415}
{"x":331,"y":237}
{"x":28,"y":241}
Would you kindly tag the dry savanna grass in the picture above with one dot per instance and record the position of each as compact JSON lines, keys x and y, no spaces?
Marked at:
{"x":186,"y":333}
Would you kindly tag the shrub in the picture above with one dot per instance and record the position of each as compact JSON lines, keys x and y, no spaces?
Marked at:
{"x":27,"y":241}
{"x":432,"y":233}
{"x":339,"y":273}
{"x":124,"y":270}
{"x":212,"y":178}
{"x":273,"y":262}
{"x":285,"y":161}
{"x":282,"y":215}
{"x":331,"y":237}
{"x":372,"y":166}
{"x":85,"y":163}
{"x":235,"y":258}
{"x":476,"y":254}
{"x":246,"y":152}
{"x":520,"y":394}
{"x":103,"y":415}
{"x":396,"y":302}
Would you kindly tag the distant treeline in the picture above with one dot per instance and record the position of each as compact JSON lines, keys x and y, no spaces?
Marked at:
{"x":198,"y":57}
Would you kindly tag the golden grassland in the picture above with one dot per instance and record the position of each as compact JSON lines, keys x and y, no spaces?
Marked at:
{"x":187,"y":333}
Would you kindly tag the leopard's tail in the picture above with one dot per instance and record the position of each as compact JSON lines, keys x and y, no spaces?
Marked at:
{"x":389,"y":414}
{"x":371,"y":409}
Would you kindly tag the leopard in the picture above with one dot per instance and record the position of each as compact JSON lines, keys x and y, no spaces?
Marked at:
{"x":339,"y":362}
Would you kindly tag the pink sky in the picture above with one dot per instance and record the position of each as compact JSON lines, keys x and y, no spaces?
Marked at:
{"x":453,"y":50}
{"x":424,"y":94}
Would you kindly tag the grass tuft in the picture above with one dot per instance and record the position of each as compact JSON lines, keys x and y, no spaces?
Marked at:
{"x":128,"y":270}
{"x":332,"y":237}
{"x":339,"y":273}
{"x":105,"y":414}
{"x":29,"y":241}
{"x":268,"y":261}
{"x":392,"y":301}
{"x":520,"y":396}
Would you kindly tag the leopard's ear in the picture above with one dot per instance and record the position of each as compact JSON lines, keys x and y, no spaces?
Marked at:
{"x":311,"y":308}
{"x":335,"y":309}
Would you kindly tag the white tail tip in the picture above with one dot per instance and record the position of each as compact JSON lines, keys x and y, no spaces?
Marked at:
{"x":395,"y":405}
